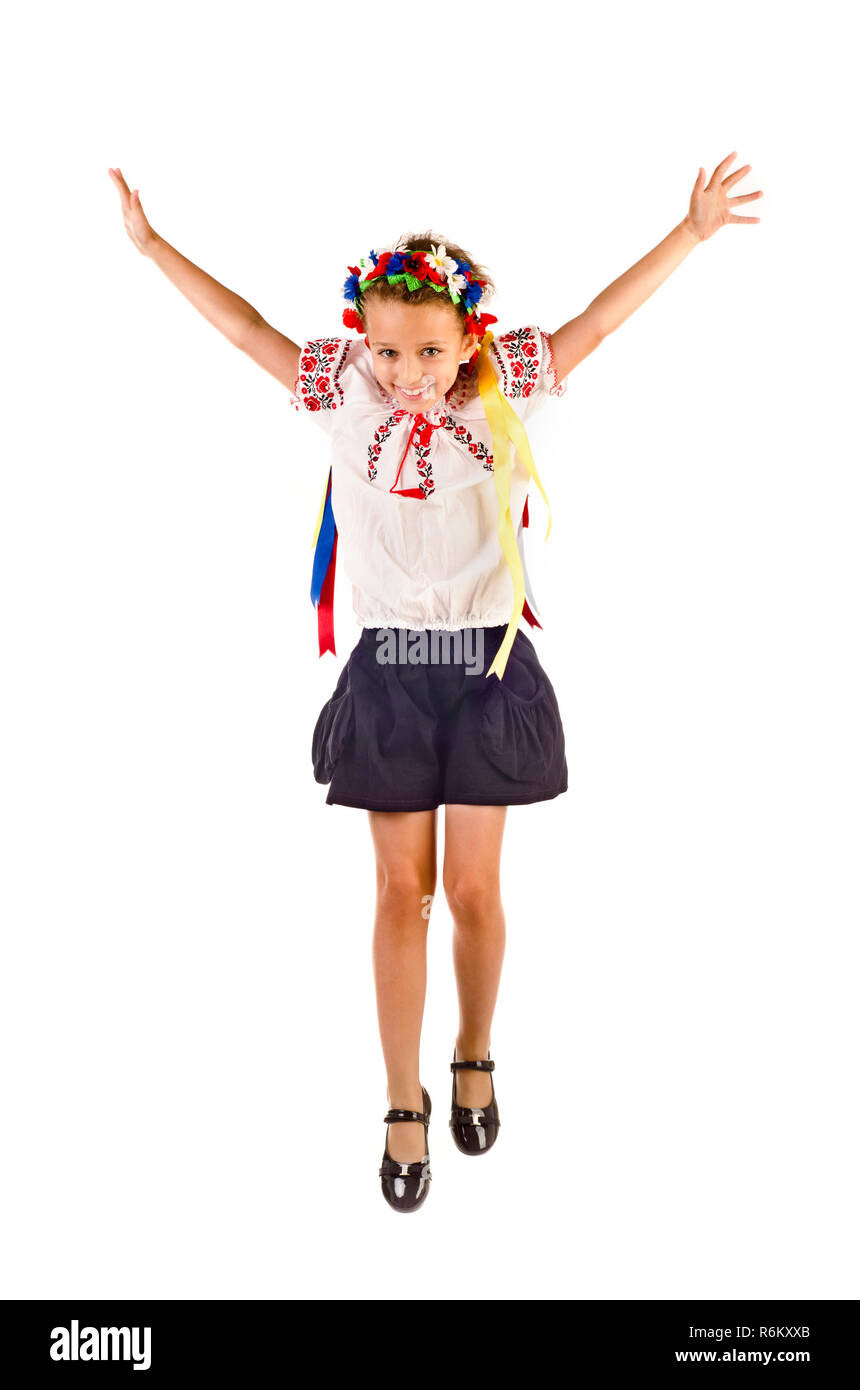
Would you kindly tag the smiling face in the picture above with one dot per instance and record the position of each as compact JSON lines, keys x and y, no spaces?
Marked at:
{"x":416,"y":349}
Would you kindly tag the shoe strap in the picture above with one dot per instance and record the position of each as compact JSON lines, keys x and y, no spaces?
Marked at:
{"x":462,"y":1115}
{"x":394,"y":1116}
{"x":482,"y":1064}
{"x":392,"y":1169}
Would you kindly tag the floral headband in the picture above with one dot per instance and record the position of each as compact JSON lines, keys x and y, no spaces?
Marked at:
{"x":417,"y":268}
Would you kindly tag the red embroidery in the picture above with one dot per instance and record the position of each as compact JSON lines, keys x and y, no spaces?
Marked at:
{"x":465,"y":389}
{"x":477,"y":448}
{"x":425,"y":467}
{"x":320,"y":365}
{"x":379,"y":438}
{"x":557,"y":388}
{"x":420,"y":435}
{"x":518,"y":356}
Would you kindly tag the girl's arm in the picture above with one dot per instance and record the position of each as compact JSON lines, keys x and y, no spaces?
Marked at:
{"x":228,"y":312}
{"x":710,"y":209}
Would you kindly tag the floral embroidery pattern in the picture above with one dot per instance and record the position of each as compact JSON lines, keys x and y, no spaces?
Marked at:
{"x":375,"y":449}
{"x":477,"y":448}
{"x":425,"y":467}
{"x":518,"y":356}
{"x":320,"y":364}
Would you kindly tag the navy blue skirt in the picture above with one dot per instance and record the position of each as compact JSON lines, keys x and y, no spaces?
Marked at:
{"x":414,"y":722}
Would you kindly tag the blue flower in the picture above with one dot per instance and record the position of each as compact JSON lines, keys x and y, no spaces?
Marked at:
{"x":395,"y":265}
{"x":472,"y":295}
{"x":350,"y":289}
{"x":374,"y":258}
{"x":462,"y":267}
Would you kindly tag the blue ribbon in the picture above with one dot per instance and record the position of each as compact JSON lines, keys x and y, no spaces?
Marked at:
{"x":324,"y":547}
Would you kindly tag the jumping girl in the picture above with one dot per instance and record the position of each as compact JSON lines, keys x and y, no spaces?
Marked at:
{"x":442,"y":701}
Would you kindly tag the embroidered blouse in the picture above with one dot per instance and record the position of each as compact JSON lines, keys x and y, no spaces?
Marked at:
{"x":413,"y":494}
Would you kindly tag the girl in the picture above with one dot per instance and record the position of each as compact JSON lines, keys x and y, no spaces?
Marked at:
{"x":443,"y":700}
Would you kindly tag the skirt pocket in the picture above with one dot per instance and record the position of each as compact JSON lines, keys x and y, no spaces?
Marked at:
{"x":521,"y":729}
{"x":334,"y":726}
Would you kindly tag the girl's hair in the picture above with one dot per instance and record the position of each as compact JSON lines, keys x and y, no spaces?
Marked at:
{"x":425,"y":241}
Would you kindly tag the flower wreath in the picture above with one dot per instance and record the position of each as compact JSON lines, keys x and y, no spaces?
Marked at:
{"x":417,"y":268}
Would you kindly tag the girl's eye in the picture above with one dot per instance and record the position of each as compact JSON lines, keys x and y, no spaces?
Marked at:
{"x":383,"y":351}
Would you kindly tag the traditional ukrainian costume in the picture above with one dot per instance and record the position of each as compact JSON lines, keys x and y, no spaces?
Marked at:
{"x":431,"y":539}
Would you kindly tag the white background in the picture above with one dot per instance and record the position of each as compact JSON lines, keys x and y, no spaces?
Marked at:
{"x":193,"y":1087}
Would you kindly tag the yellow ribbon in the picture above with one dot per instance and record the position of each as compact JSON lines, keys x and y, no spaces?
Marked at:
{"x":321,"y":513}
{"x":507,"y":429}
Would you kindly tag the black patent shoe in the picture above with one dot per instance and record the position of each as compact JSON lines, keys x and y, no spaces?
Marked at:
{"x":405,"y":1185}
{"x":475,"y":1129}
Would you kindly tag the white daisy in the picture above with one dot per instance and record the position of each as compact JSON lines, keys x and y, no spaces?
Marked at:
{"x":441,"y":261}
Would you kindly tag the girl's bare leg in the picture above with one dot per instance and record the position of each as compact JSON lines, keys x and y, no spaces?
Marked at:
{"x":470,"y":876}
{"x":405,"y":845}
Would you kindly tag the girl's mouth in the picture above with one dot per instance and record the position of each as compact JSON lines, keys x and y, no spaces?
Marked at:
{"x":416,"y":395}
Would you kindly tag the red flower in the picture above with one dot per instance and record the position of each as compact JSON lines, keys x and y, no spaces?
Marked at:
{"x":381,"y":264}
{"x":354,"y":270}
{"x":351,"y":319}
{"x":433,"y":274}
{"x":517,"y":369}
{"x":312,"y":404}
{"x":322,"y":385}
{"x":529,"y":349}
{"x":308,"y":364}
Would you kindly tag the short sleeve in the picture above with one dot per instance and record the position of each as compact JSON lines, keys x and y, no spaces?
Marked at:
{"x":319,"y":384}
{"x":524,"y":365}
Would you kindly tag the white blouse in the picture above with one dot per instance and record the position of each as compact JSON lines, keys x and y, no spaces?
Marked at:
{"x":431,"y":559}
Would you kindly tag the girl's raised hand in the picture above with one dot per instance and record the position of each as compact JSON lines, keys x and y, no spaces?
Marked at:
{"x":710,"y":208}
{"x":135,"y":222}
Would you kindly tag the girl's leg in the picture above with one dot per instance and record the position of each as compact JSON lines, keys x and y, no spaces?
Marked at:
{"x":470,"y":876}
{"x":405,"y":845}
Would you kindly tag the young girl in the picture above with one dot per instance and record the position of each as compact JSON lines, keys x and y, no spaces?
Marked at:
{"x":443,"y":700}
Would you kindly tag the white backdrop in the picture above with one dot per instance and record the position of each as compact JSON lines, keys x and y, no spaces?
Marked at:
{"x":193,"y":1084}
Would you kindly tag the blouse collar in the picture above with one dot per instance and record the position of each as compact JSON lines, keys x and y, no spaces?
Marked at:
{"x":435,"y":416}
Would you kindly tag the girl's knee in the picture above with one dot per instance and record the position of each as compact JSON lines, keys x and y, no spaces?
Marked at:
{"x":471,"y":896}
{"x":402,"y":890}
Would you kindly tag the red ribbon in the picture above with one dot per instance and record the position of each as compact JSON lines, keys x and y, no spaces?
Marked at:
{"x":425,"y":430}
{"x":325,"y":607}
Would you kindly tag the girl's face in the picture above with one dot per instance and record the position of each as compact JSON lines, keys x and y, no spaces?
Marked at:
{"x":416,"y":349}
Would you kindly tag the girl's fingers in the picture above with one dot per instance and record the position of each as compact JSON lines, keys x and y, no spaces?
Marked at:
{"x":734,"y":218}
{"x":723,"y":164}
{"x":121,"y":185}
{"x":745,"y":197}
{"x":738,"y":174}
